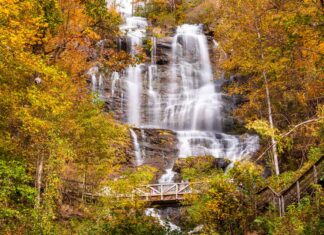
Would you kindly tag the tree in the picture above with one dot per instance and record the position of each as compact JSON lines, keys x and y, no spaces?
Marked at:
{"x":226,"y":204}
{"x":263,"y":46}
{"x":44,"y":110}
{"x":16,"y":194}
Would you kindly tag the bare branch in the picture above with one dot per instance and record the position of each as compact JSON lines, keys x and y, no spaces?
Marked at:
{"x":289,"y":132}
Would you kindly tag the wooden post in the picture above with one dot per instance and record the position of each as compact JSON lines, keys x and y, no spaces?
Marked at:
{"x":279,"y":206}
{"x":83,"y":185}
{"x":176,"y":191}
{"x":39,"y":173}
{"x":315,"y":174}
{"x":283,"y":205}
{"x":298,"y":190}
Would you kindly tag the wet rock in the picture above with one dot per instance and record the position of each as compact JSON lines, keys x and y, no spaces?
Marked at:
{"x":158,"y":147}
{"x":165,"y":43}
{"x":162,"y":60}
{"x":196,"y":230}
{"x":164,"y":47}
{"x":238,"y":78}
{"x":201,"y":164}
{"x":221,"y":163}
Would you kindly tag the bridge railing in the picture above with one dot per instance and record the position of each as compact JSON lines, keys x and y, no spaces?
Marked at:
{"x":151,"y":192}
{"x":165,"y":191}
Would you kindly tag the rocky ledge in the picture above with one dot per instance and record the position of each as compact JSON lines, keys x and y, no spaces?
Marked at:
{"x":158,"y":147}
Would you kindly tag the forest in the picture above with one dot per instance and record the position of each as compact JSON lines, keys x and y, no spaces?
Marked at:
{"x":102,"y":97}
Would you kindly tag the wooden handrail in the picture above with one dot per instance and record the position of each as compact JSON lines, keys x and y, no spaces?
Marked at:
{"x":298,"y":179}
{"x":268,"y":188}
{"x":294,"y":191}
{"x":303,"y":175}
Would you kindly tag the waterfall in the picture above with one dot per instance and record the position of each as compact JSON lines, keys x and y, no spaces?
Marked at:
{"x":198,"y":143}
{"x":124,"y":7}
{"x":153,"y":50}
{"x":185,"y":99}
{"x":156,"y":214}
{"x":194,"y":106}
{"x":92,"y":72}
{"x":192,"y":102}
{"x":97,"y":84}
{"x":137,"y":149}
{"x":114,"y":78}
{"x":154,"y":98}
{"x":167,"y":177}
{"x":135,"y":30}
{"x":134,"y":90}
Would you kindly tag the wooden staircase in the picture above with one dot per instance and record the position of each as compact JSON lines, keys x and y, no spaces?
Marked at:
{"x":297,"y":190}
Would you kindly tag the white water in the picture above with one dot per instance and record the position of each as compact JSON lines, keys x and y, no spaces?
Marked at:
{"x":134,"y":90}
{"x":167,"y":177}
{"x":187,"y":101}
{"x":135,"y":30}
{"x":155,"y":213}
{"x":97,"y":85}
{"x":201,"y":143}
{"x":137,"y":150}
{"x":193,"y":105}
{"x":192,"y":101}
{"x":124,"y":7}
{"x":114,"y":79}
{"x":154,"y":98}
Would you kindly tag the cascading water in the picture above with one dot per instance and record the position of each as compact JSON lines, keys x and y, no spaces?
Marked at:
{"x":192,"y":104}
{"x":137,"y":148}
{"x":96,"y":81}
{"x":167,"y":177}
{"x":114,"y":79}
{"x":154,"y":98}
{"x":155,"y":213}
{"x":135,"y":30}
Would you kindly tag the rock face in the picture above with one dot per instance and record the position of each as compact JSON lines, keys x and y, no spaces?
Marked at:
{"x":163,"y":51}
{"x":158,"y":147}
{"x":201,"y":164}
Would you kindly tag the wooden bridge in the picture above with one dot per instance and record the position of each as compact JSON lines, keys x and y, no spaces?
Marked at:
{"x":172,"y":193}
{"x":166,"y":193}
{"x":156,"y":194}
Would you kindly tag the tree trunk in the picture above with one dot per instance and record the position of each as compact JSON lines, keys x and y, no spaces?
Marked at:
{"x":264,"y":74}
{"x":84,"y":184}
{"x":273,"y":141}
{"x":39,"y":174}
